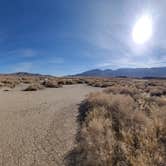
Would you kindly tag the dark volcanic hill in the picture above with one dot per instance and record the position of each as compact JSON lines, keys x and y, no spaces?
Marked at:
{"x":26,"y":74}
{"x":127,"y":72}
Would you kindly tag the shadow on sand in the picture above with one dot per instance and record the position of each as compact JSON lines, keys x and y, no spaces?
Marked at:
{"x":75,"y":156}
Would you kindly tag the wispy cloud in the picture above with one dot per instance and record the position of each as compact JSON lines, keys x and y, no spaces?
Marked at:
{"x":24,"y":52}
{"x":22,"y":67}
{"x":132,"y":62}
{"x":55,"y":60}
{"x":111,"y":34}
{"x":36,"y":65}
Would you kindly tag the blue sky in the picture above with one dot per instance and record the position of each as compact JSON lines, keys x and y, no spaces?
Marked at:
{"x":61,"y":37}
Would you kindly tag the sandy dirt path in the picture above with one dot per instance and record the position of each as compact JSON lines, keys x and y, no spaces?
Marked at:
{"x":38,"y":128}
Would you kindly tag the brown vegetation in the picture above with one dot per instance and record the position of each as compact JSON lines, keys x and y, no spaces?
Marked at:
{"x":46,"y":81}
{"x":125,"y":125}
{"x":33,"y":87}
{"x":51,"y":84}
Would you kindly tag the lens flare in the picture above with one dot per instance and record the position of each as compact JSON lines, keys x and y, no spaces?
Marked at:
{"x":142,"y":30}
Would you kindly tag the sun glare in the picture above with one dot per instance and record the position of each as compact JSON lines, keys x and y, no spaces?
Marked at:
{"x":142,"y":30}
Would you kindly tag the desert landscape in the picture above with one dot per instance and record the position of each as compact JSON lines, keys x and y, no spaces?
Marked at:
{"x":83,"y":83}
{"x":37,"y":127}
{"x":82,"y":121}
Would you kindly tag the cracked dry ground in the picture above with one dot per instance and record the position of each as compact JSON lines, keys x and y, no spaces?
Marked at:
{"x":38,"y":128}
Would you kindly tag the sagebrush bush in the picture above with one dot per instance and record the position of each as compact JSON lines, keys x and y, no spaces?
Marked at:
{"x":33,"y":87}
{"x":118,"y":129}
{"x":51,"y":84}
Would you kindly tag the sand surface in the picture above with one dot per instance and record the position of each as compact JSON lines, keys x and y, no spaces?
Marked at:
{"x":38,"y":128}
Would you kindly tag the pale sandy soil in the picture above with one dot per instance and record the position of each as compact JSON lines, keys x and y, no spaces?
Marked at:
{"x":38,"y":128}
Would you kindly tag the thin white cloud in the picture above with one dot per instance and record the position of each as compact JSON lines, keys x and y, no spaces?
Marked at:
{"x":22,"y":67}
{"x":55,"y":60}
{"x":36,"y":65}
{"x":110,"y":33}
{"x":25,"y":52}
{"x":133,"y":63}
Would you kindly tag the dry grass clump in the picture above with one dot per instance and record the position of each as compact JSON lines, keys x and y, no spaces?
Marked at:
{"x":34,"y":87}
{"x":1,"y":84}
{"x":159,"y":91}
{"x":80,"y":81}
{"x":70,"y":82}
{"x":141,"y":85}
{"x":51,"y":84}
{"x":161,"y":102}
{"x":122,"y":90}
{"x":156,"y":82}
{"x":9,"y":82}
{"x":117,"y":129}
{"x":117,"y":85}
{"x":101,"y":84}
{"x":26,"y":80}
{"x":100,"y":99}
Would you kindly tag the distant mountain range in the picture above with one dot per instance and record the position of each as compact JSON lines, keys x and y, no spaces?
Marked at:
{"x":22,"y":74}
{"x":127,"y":72}
{"x":26,"y":74}
{"x":122,"y":72}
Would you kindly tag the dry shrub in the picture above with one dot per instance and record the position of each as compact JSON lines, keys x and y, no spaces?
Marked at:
{"x":140,"y":85}
{"x":51,"y":84}
{"x":99,"y":82}
{"x":1,"y":84}
{"x":27,"y":81}
{"x":69,"y":82}
{"x":116,"y":132}
{"x":11,"y":83}
{"x":33,"y":87}
{"x":100,"y":99}
{"x":158,"y":91}
{"x":61,"y":82}
{"x":122,"y":90}
{"x":161,"y":102}
{"x":80,"y":81}
{"x":154,"y":83}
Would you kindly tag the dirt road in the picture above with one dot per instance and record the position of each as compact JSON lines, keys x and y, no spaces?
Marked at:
{"x":38,"y":128}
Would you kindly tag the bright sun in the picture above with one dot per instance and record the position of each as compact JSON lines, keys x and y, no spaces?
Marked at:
{"x":142,"y":30}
